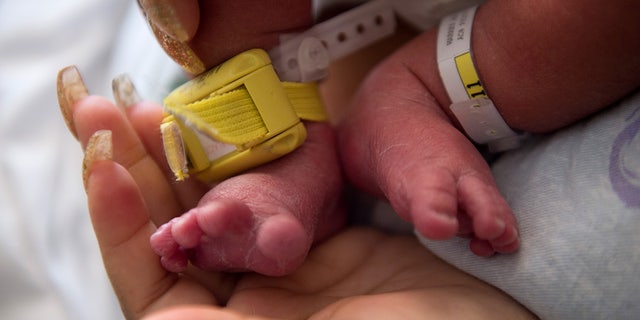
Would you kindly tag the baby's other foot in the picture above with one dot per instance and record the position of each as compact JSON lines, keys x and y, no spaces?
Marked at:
{"x":397,"y":142}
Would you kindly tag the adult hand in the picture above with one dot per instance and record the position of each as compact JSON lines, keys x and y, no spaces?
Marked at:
{"x":348,"y":276}
{"x":201,"y":34}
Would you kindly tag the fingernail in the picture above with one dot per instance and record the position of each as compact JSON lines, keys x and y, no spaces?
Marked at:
{"x":174,"y":150}
{"x":180,"y":52}
{"x":99,"y":147}
{"x":70,"y":89}
{"x":163,"y":16}
{"x":124,"y":92}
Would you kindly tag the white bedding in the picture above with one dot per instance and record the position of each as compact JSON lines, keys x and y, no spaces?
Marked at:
{"x":50,"y":267}
{"x":576,"y":194}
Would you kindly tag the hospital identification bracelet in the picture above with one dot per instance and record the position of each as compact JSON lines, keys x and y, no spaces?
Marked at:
{"x":470,"y":103}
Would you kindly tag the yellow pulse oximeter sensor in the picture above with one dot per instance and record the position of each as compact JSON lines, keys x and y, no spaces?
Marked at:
{"x":235,"y":117}
{"x":240,"y":114}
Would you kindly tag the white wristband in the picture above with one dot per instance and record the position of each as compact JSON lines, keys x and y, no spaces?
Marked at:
{"x":305,"y":57}
{"x":473,"y":109}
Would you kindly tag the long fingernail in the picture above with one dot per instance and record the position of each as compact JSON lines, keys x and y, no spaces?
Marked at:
{"x":180,"y":52}
{"x":124,"y":92}
{"x":164,"y":23}
{"x":163,"y":16}
{"x":174,"y":150}
{"x":99,"y":147}
{"x":70,"y":88}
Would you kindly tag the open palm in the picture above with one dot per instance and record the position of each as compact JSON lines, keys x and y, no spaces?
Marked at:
{"x":360,"y":273}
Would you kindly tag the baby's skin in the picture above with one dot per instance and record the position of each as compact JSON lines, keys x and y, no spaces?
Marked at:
{"x":264,"y":220}
{"x":396,"y":142}
{"x":400,"y":141}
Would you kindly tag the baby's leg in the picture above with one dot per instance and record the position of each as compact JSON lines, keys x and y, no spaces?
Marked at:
{"x":264,"y":220}
{"x":397,"y":142}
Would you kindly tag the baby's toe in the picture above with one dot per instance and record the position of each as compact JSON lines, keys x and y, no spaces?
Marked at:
{"x":429,"y":196}
{"x":221,"y":217}
{"x":481,"y":247}
{"x":176,"y":262}
{"x":162,"y":241}
{"x":508,"y":242}
{"x":284,"y":240}
{"x":185,"y":230}
{"x":492,"y":217}
{"x":173,"y":258}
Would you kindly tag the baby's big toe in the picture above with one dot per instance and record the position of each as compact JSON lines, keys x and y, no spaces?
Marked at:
{"x":284,"y":240}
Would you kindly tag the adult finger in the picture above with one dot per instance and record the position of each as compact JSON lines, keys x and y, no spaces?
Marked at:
{"x":170,"y":15}
{"x":122,"y":227}
{"x":218,"y":30}
{"x":145,"y":118}
{"x":178,"y":19}
{"x":199,"y":313}
{"x":87,"y":114}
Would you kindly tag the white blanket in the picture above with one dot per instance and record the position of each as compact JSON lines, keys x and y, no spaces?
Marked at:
{"x":576,"y":195}
{"x":50,"y":267}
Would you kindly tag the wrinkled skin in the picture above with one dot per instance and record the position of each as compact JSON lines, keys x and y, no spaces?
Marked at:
{"x":130,"y":190}
{"x":347,"y":276}
{"x":264,"y":220}
{"x":238,"y":226}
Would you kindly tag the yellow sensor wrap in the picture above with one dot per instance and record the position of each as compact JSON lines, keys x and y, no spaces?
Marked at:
{"x":236,"y":116}
{"x":469,"y":76}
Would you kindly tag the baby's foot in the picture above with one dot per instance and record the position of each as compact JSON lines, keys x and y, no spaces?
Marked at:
{"x":396,"y":141}
{"x":226,"y":235}
{"x":264,"y":220}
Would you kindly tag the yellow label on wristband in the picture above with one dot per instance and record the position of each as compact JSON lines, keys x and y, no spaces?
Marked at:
{"x":469,"y":76}
{"x":470,"y":103}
